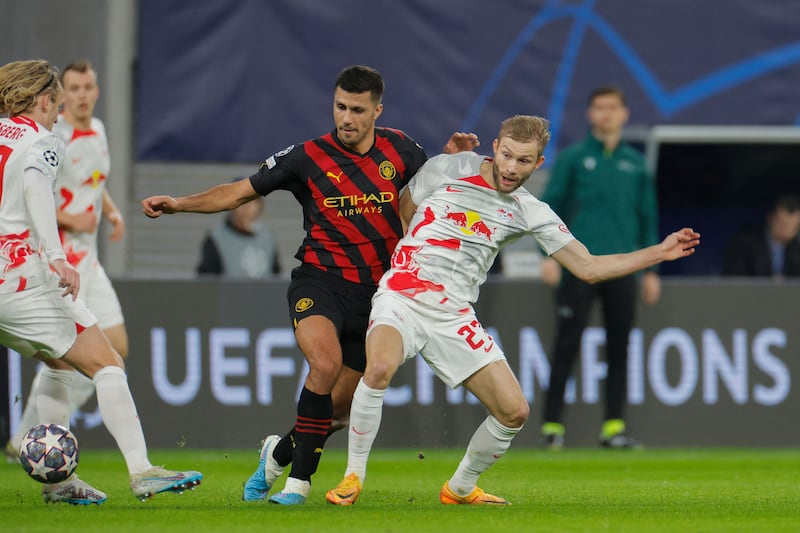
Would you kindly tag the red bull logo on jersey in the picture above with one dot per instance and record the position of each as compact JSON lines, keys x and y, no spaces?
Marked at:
{"x":470,"y":223}
{"x":458,"y":218}
{"x":95,"y":179}
{"x":480,"y":228}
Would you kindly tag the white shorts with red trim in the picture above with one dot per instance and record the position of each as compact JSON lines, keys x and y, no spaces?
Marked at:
{"x":454,"y":344}
{"x":39,"y":319}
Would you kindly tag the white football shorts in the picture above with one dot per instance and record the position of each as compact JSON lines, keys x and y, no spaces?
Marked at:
{"x":99,"y":296}
{"x":455,"y":345}
{"x":40,"y":319}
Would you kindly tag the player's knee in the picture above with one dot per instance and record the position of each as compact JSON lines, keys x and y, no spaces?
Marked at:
{"x":516,"y":415}
{"x":109,"y":357}
{"x":324,"y":371}
{"x":522,"y":414}
{"x":379,"y":373}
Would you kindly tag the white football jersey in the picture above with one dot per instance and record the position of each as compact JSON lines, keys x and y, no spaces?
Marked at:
{"x":80,"y":184}
{"x":460,"y":225}
{"x":24,"y":144}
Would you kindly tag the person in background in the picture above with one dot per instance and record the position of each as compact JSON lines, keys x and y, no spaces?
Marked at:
{"x":602,"y":190}
{"x":241,"y":247}
{"x":81,"y":199}
{"x":771,"y":249}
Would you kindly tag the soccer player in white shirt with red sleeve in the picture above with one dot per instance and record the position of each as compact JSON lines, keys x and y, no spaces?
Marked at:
{"x":465,"y":207}
{"x":40,"y":315}
{"x":80,"y":198}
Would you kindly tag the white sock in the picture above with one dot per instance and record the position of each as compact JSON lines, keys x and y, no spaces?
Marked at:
{"x":82,"y":389}
{"x":120,"y":417}
{"x":297,"y":486}
{"x":30,"y":414}
{"x":489,"y":442}
{"x":365,"y":420}
{"x":52,"y":400}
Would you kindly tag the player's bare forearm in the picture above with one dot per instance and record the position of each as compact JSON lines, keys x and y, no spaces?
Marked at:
{"x":596,"y":268}
{"x":219,"y":198}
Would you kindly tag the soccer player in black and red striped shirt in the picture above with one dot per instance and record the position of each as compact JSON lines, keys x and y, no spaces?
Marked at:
{"x":348,"y":182}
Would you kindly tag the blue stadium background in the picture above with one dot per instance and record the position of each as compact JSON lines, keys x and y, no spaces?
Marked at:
{"x":235,"y":80}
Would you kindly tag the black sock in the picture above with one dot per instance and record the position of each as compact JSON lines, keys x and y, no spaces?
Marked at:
{"x":284,"y":449}
{"x":314,"y":416}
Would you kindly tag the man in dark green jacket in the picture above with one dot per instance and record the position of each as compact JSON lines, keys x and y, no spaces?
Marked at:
{"x":602,"y":190}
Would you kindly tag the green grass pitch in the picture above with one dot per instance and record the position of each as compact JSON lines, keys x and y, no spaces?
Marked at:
{"x":698,"y":490}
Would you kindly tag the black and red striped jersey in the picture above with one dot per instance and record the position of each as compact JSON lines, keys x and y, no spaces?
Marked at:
{"x":350,"y":200}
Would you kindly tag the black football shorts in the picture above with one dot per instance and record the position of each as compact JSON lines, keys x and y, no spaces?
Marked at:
{"x":347,"y":305}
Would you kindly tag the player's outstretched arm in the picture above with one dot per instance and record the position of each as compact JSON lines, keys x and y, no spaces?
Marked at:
{"x":595,"y":268}
{"x":219,"y":198}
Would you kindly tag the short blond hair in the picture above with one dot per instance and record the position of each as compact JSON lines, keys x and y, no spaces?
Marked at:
{"x":525,"y":128}
{"x":22,"y":82}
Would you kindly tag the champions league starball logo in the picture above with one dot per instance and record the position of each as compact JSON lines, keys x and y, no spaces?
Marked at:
{"x":51,"y":157}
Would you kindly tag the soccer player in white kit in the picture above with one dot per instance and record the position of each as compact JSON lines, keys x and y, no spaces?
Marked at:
{"x":40,"y":315}
{"x":465,"y":208}
{"x":81,"y":197}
